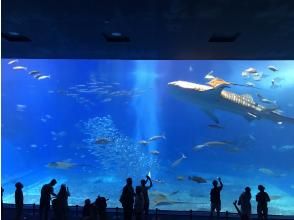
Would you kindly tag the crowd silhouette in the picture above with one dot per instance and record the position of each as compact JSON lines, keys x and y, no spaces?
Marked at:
{"x":135,"y":203}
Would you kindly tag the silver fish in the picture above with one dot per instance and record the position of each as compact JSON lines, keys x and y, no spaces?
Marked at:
{"x":157,"y":137}
{"x":273,"y":68}
{"x":20,"y":68}
{"x":44,"y":77}
{"x":178,"y":161}
{"x":12,"y":61}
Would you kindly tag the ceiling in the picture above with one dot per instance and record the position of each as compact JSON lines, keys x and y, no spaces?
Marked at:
{"x":157,"y":29}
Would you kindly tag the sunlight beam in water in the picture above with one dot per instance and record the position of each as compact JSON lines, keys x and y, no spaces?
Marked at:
{"x":145,"y":106}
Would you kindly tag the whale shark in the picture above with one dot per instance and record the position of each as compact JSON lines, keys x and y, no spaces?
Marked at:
{"x":213,"y":97}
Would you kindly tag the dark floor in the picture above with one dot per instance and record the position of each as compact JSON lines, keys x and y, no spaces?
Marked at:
{"x":31,"y":213}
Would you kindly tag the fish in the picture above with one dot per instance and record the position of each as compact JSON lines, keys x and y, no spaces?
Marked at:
{"x":276,"y":197}
{"x":252,"y":137}
{"x":12,"y":61}
{"x":178,"y":161}
{"x":273,"y":68}
{"x":245,"y":74}
{"x":284,"y":148}
{"x":59,"y":146}
{"x":20,"y":68}
{"x":157,"y":137}
{"x":275,"y":85}
{"x":257,"y":76}
{"x":20,"y":107}
{"x":64,"y":165}
{"x":180,"y":178}
{"x":269,"y":172}
{"x":143,"y":142}
{"x":170,"y":202}
{"x":265,"y":100}
{"x":154,"y":152}
{"x":215,"y":126}
{"x":48,"y":116}
{"x":34,"y":72}
{"x":278,"y":79}
{"x":209,"y":75}
{"x":250,"y":84}
{"x":102,"y":140}
{"x":210,"y":143}
{"x":190,"y":68}
{"x":157,"y":181}
{"x":33,"y":146}
{"x":37,"y":75}
{"x":43,"y":77}
{"x":197,"y":179}
{"x":205,"y":97}
{"x":250,"y":70}
{"x":174,"y":193}
{"x":43,"y":120}
{"x":107,"y":100}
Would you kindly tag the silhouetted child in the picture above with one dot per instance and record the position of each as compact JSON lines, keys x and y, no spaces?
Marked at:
{"x":242,"y":216}
{"x":262,"y":198}
{"x":46,"y":192}
{"x":62,"y":202}
{"x":139,"y":203}
{"x":244,"y":202}
{"x":215,"y":201}
{"x":127,"y":199}
{"x":2,"y":207}
{"x":18,"y":200}
{"x":101,"y":206}
{"x":87,"y":209}
{"x":145,"y":193}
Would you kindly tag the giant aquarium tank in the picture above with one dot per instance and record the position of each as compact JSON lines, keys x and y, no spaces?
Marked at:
{"x":92,"y":123}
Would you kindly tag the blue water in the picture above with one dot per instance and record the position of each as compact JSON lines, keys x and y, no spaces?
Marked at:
{"x":49,"y":129}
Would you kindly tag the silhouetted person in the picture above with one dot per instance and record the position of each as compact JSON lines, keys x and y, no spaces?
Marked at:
{"x":215,"y":201}
{"x":127,"y":199}
{"x":242,"y":216}
{"x":87,"y":209}
{"x":145,"y":193}
{"x":101,"y":206}
{"x":139,"y":203}
{"x":18,"y":195}
{"x":46,"y":192}
{"x":262,"y":198}
{"x":244,"y":202}
{"x":2,"y":207}
{"x":62,"y":202}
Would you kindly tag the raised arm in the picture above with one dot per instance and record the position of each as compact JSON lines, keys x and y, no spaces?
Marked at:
{"x":68,"y":193}
{"x":221,"y":183}
{"x":150,"y":181}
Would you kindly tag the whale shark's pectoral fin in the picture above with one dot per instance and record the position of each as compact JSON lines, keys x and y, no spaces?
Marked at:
{"x":216,"y":91}
{"x":212,"y":116}
{"x":250,"y":116}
